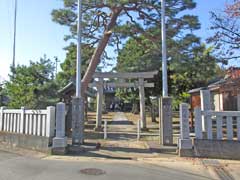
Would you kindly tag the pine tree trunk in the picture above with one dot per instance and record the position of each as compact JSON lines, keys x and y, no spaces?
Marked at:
{"x":95,"y":60}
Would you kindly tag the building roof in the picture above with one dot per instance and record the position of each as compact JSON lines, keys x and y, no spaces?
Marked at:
{"x":196,"y":90}
{"x":71,"y":87}
{"x":223,"y":84}
{"x":232,"y":78}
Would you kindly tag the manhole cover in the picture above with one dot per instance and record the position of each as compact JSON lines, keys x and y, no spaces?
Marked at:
{"x":92,"y":171}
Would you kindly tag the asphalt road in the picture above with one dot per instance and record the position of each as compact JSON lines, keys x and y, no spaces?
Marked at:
{"x":18,"y":167}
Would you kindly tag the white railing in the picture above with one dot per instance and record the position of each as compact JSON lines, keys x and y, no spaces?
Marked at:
{"x":29,"y":122}
{"x":225,"y":122}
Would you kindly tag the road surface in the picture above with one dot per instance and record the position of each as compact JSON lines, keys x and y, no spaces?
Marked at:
{"x":21,"y":167}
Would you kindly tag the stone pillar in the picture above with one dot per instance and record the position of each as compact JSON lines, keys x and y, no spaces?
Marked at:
{"x":77,"y":121}
{"x":198,"y":123}
{"x":60,"y":141}
{"x":166,"y":121}
{"x":184,"y":143}
{"x":99,"y":106}
{"x":142,"y":104}
{"x":50,"y":124}
{"x":238,"y":101}
{"x":205,"y":106}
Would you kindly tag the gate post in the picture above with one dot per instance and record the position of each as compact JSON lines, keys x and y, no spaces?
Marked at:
{"x":142,"y":104}
{"x":184,"y":142}
{"x":60,"y":141}
{"x":205,"y":106}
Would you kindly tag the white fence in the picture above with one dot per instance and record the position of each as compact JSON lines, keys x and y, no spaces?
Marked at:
{"x":226,"y":123}
{"x":29,"y":122}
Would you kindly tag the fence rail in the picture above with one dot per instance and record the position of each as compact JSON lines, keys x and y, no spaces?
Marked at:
{"x":225,"y":122}
{"x":29,"y":122}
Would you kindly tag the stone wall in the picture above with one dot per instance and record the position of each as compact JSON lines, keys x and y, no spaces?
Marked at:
{"x":36,"y":143}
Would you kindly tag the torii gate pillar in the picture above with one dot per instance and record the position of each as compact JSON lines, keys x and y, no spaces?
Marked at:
{"x":142,"y":104}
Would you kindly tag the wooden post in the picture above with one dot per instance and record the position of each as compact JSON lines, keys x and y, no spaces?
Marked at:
{"x":142,"y":104}
{"x":99,"y":105}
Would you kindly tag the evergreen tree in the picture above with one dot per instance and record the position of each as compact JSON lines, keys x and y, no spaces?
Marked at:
{"x":32,"y":86}
{"x":109,"y":22}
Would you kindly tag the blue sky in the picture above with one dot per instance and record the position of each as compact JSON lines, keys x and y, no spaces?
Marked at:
{"x":38,"y":35}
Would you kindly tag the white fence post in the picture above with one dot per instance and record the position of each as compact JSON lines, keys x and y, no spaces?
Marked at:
{"x":22,"y":119}
{"x":138,"y":129}
{"x":105,"y":129}
{"x":1,"y":118}
{"x":219,"y":128}
{"x":184,"y":142}
{"x":208,"y":118}
{"x":198,"y":123}
{"x":229,"y":128}
{"x":50,"y":125}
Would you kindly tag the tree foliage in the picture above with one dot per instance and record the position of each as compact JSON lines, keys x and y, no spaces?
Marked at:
{"x":190,"y":63}
{"x":32,"y":86}
{"x":226,"y":28}
{"x":109,"y":22}
{"x":68,"y":67}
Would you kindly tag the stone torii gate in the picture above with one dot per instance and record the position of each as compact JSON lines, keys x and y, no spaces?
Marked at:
{"x":139,"y":83}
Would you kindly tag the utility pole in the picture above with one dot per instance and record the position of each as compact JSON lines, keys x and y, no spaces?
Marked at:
{"x":164,"y":52}
{"x":56,"y":65}
{"x":77,"y":102}
{"x":14,"y":37}
{"x":166,"y":137}
{"x":79,"y":34}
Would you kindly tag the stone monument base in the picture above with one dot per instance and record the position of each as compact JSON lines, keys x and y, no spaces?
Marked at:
{"x":59,"y":151}
{"x":185,"y":144}
{"x":59,"y":146}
